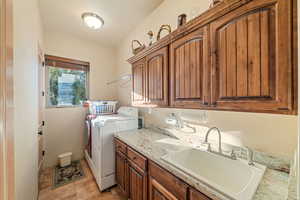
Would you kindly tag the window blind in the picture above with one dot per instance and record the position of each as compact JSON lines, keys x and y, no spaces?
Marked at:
{"x":66,"y":63}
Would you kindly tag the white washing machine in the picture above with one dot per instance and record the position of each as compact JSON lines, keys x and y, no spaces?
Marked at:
{"x":103,"y":128}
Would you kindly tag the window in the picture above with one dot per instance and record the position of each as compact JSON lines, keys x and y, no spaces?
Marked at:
{"x":66,"y":81}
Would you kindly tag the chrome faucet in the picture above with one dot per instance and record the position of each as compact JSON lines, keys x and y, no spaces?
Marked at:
{"x":220,"y":139}
{"x":220,"y":152}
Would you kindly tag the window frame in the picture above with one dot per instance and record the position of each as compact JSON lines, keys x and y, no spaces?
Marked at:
{"x":71,"y":64}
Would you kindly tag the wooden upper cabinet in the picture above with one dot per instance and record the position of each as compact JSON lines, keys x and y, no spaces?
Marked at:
{"x":138,"y":82}
{"x":252,"y":58}
{"x":157,"y":77}
{"x":238,"y":56}
{"x":189,"y":68}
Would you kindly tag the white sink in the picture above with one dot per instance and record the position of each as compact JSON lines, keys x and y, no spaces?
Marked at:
{"x":233,"y":178}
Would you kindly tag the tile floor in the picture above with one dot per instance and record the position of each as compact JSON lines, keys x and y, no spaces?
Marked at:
{"x":83,"y":189}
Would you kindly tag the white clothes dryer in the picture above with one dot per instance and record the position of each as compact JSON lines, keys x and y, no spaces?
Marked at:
{"x":103,"y":129}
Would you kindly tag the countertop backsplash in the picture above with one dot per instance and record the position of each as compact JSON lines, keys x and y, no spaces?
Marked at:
{"x":266,"y":133}
{"x":292,"y":189}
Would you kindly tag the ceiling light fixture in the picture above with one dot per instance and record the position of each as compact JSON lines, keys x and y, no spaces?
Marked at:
{"x":92,"y":20}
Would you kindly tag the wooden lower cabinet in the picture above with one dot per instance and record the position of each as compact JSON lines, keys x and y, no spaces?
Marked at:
{"x":137,"y":183}
{"x":171,"y":183}
{"x":131,"y":172}
{"x":122,"y":173}
{"x":158,"y":192}
{"x":141,"y":179}
{"x":195,"y":195}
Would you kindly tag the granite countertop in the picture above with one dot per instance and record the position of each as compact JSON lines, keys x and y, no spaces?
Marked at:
{"x":154,"y":145}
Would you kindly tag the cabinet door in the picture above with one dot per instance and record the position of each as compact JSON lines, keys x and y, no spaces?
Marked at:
{"x":137,"y":183}
{"x":138,"y":83}
{"x":189,"y":70}
{"x":157,"y":78}
{"x":158,"y":192}
{"x":252,"y":61}
{"x":122,"y":173}
{"x":195,"y":195}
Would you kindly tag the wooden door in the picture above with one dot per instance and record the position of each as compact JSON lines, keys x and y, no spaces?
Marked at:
{"x":7,"y":164}
{"x":252,"y":60}
{"x":41,"y":86}
{"x":138,"y":83}
{"x":122,"y":173}
{"x":41,"y":102}
{"x":157,"y":78}
{"x":189,"y":70}
{"x":137,"y":183}
{"x":158,"y":192}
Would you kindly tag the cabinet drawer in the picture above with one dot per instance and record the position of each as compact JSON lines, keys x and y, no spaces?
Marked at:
{"x":137,"y":158}
{"x":167,"y":180}
{"x":195,"y":195}
{"x":120,"y":146}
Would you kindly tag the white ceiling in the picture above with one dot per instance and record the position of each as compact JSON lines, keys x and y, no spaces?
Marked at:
{"x":120,"y":17}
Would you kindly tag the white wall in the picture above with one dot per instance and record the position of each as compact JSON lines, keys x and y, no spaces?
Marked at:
{"x":64,"y":131}
{"x":27,"y":29}
{"x":65,"y":126}
{"x":274,"y":134}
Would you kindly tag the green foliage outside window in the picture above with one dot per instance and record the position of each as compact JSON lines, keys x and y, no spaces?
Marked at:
{"x":66,"y":87}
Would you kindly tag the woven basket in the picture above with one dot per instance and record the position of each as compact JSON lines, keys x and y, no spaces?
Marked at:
{"x":138,"y":49}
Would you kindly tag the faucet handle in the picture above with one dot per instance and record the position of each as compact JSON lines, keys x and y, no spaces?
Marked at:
{"x":250,"y":157}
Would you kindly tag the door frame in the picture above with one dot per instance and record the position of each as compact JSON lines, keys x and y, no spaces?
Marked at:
{"x":6,"y":102}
